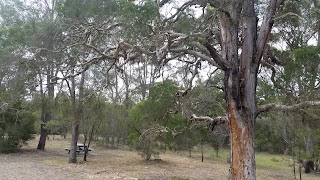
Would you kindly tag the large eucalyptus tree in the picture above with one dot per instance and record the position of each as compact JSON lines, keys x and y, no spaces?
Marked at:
{"x":236,"y":46}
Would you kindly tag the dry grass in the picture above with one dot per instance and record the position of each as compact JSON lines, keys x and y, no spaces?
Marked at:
{"x":124,"y":164}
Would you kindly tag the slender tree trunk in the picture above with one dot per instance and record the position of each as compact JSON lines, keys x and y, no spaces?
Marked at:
{"x":300,"y":166}
{"x":43,"y":137}
{"x":74,"y":141}
{"x":46,"y":111}
{"x":201,"y":150}
{"x":294,"y":167}
{"x":75,"y":124}
{"x":46,"y":106}
{"x":43,"y":131}
{"x":77,"y":111}
{"x":86,"y":146}
{"x":309,"y":164}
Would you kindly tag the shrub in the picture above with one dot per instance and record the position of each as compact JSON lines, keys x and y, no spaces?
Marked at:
{"x":17,"y":126}
{"x":147,"y":146}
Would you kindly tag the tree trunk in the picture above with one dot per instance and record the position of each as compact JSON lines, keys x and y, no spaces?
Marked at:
{"x":201,"y":150}
{"x":309,"y":165}
{"x":87,"y":145}
{"x":77,"y":111}
{"x":242,"y":146}
{"x":240,"y":59}
{"x":43,"y":137}
{"x":74,"y":141}
{"x":240,"y":80}
{"x":43,"y":131}
{"x":46,"y":112}
{"x":294,"y":162}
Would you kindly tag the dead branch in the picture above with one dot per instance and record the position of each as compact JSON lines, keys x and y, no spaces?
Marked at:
{"x":280,"y":107}
{"x":211,"y":122}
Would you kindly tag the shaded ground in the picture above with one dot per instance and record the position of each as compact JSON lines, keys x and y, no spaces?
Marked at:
{"x":52,"y":164}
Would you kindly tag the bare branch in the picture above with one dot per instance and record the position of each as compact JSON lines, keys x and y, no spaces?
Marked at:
{"x":280,"y":107}
{"x":197,"y":54}
{"x":98,"y":51}
{"x":212,"y":122}
{"x":267,"y":23}
{"x":179,"y":10}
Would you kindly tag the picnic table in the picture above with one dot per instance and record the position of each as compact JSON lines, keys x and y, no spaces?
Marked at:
{"x":80,"y":148}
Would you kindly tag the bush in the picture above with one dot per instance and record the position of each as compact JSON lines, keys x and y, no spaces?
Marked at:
{"x":17,"y":126}
{"x":147,"y":146}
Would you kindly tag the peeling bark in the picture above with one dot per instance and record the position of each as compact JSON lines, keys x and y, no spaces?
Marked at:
{"x":240,"y":77}
{"x":242,"y":145}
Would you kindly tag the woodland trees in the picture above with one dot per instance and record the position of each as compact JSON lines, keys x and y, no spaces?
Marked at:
{"x":122,"y":48}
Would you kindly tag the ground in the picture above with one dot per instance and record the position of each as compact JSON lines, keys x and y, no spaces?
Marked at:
{"x":105,"y":163}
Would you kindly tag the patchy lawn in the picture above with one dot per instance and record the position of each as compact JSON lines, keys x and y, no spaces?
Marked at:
{"x":124,"y":164}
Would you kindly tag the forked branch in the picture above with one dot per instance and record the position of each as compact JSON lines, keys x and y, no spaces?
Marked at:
{"x":211,"y":122}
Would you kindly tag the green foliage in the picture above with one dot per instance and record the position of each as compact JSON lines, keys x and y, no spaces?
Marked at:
{"x":268,"y":137}
{"x":132,"y":139}
{"x":17,"y":125}
{"x":83,"y":9}
{"x":148,"y":145}
{"x":97,"y":118}
{"x":138,"y":18}
{"x":57,"y":127}
{"x":151,"y":121}
{"x":297,"y":82}
{"x":303,"y":65}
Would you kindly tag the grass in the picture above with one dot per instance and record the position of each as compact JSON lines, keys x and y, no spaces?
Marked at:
{"x":273,"y":162}
{"x":124,"y":164}
{"x":269,"y":166}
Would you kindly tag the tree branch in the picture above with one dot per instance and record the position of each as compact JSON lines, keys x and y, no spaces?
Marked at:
{"x":197,"y":54}
{"x":267,"y":23}
{"x":288,"y":14}
{"x":280,"y":107}
{"x":216,"y":56}
{"x":212,"y":122}
{"x":179,"y":10}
